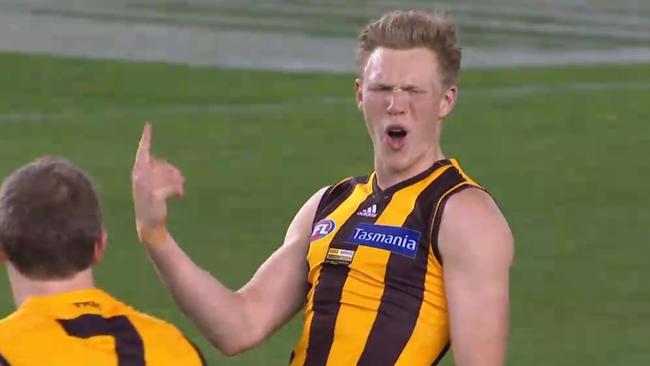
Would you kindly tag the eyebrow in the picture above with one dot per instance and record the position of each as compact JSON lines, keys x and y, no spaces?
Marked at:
{"x":381,"y":84}
{"x":410,"y":87}
{"x":384,"y":84}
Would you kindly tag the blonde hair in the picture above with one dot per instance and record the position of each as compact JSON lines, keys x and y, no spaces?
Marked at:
{"x":403,"y":30}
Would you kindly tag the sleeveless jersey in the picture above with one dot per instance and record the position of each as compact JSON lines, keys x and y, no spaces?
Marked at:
{"x":377,"y":293}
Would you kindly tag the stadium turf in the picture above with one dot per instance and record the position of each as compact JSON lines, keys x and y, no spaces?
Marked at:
{"x":564,"y":151}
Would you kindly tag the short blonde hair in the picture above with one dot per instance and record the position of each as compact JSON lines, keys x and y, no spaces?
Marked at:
{"x":403,"y":30}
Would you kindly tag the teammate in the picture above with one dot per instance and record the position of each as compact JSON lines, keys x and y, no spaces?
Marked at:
{"x":50,"y":236}
{"x":390,"y":268}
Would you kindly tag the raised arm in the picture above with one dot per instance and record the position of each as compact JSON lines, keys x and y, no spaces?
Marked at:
{"x":233,"y":321}
{"x":477,"y":250}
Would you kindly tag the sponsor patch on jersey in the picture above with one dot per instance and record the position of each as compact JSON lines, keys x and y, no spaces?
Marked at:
{"x":393,"y":238}
{"x":339,"y":256}
{"x":322,"y":229}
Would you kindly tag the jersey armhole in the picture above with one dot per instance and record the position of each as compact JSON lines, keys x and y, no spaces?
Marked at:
{"x":323,"y":200}
{"x":437,"y":216}
{"x":332,"y":196}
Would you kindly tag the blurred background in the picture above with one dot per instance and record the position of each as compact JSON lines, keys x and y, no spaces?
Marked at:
{"x":254,"y":102}
{"x":319,"y":34}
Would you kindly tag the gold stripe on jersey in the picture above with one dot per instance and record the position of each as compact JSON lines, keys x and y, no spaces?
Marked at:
{"x":317,"y":253}
{"x":432,"y":313}
{"x":417,"y":352}
{"x":404,"y":293}
{"x":467,"y":178}
{"x":363,"y":287}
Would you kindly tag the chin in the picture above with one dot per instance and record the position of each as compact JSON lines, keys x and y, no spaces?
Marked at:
{"x":397,"y":162}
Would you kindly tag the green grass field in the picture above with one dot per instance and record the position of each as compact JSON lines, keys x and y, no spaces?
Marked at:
{"x":565,"y":152}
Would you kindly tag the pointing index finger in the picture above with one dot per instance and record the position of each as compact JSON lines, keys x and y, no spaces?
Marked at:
{"x":143,"y":154}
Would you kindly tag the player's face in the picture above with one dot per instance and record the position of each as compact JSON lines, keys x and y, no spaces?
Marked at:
{"x":403,"y":101}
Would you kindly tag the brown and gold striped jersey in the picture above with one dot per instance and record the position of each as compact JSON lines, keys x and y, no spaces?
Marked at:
{"x":377,"y":295}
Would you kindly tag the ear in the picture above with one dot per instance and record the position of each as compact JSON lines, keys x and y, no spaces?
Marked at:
{"x":358,"y":92}
{"x":448,"y":101}
{"x":100,"y":247}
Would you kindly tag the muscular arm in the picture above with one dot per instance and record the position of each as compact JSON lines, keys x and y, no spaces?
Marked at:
{"x":237,"y":321}
{"x":477,"y":250}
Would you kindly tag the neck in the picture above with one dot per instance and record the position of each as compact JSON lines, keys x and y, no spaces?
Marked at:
{"x":24,"y":287}
{"x":388,"y":176}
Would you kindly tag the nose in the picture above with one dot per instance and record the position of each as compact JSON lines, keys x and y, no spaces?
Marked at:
{"x":396,"y":102}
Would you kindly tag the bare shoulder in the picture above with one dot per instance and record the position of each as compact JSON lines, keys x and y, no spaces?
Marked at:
{"x":473,"y":226}
{"x":315,"y":199}
{"x":300,"y":228}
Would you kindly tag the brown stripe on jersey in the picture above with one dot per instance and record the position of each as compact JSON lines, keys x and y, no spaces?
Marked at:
{"x":433,"y":233}
{"x":335,"y":195}
{"x":327,"y":295}
{"x":3,"y":361}
{"x":324,"y":201}
{"x":441,"y":355}
{"x":405,"y":183}
{"x":404,"y":282}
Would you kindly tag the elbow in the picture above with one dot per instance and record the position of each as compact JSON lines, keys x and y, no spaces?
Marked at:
{"x":231,"y":349}
{"x":244,"y":331}
{"x":235,"y":344}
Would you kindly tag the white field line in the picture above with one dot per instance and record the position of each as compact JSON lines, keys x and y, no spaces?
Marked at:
{"x":284,"y":107}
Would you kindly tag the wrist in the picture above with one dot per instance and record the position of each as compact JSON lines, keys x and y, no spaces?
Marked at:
{"x":152,"y":235}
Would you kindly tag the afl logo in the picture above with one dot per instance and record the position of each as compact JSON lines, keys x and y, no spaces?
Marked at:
{"x":322,"y":228}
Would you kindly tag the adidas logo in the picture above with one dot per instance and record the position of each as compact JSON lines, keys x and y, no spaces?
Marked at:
{"x":368,"y":212}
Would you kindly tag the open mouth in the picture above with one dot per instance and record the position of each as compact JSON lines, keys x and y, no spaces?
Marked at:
{"x":396,"y":132}
{"x":396,"y":137}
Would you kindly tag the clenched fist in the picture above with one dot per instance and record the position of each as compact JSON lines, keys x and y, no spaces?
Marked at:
{"x":153,"y":181}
